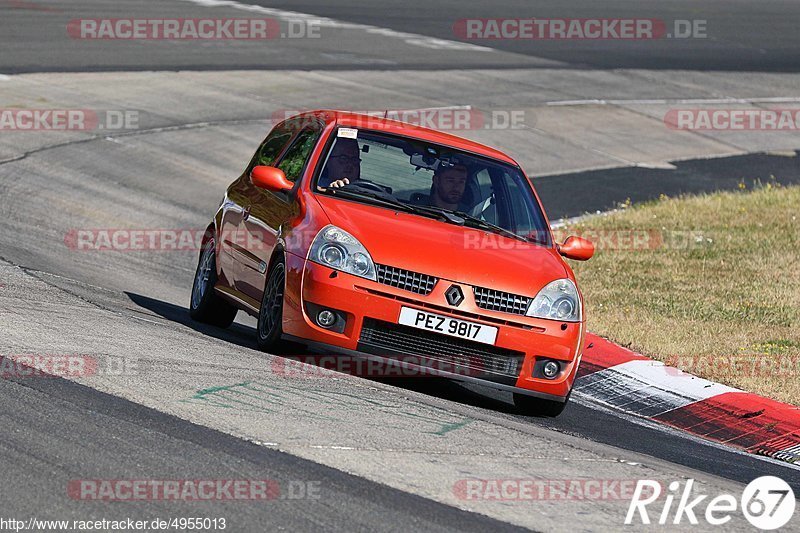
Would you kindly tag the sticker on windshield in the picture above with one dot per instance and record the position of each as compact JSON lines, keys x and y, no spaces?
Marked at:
{"x":348,"y":133}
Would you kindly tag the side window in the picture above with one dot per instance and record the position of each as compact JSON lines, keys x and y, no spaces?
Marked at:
{"x":524,"y":208}
{"x":486,"y":208}
{"x":272,"y":146}
{"x":484,"y":183}
{"x":294,"y":161}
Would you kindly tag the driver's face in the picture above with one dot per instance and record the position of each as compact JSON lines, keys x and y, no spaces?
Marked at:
{"x":450,"y":185}
{"x":344,"y":161}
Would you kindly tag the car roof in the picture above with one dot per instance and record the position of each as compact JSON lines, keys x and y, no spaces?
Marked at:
{"x":371,"y":122}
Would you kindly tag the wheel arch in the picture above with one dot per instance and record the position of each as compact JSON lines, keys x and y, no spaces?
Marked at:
{"x":278,"y":253}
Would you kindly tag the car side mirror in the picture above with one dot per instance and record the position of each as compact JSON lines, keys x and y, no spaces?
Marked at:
{"x":270,"y":178}
{"x":576,"y":248}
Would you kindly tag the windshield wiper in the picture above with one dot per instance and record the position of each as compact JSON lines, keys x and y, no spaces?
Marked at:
{"x":475,"y":221}
{"x":458,"y":218}
{"x":375,"y":197}
{"x":453,"y":218}
{"x":387,"y":200}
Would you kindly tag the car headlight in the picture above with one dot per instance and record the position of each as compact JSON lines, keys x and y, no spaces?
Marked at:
{"x":559,"y":300}
{"x":335,"y":248}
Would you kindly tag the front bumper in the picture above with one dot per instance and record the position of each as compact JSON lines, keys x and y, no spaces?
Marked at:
{"x":370,"y":306}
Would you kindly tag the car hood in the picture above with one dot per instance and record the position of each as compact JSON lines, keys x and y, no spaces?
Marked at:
{"x":447,"y":251}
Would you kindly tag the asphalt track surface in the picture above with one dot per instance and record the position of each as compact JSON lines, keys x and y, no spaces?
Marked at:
{"x":49,"y":415}
{"x":740,"y":36}
{"x":573,"y":194}
{"x":55,"y":430}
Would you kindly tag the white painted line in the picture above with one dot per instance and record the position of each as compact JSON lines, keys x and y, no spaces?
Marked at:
{"x":781,"y":153}
{"x":647,"y":388}
{"x":673,"y":380}
{"x":687,"y":101}
{"x":561,"y":222}
{"x":577,"y":102}
{"x":325,"y":22}
{"x":791,"y":455}
{"x":657,"y":165}
{"x":135,"y":317}
{"x":409,"y":109}
{"x":4,"y":77}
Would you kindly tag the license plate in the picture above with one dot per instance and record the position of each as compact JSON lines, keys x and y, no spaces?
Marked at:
{"x":447,"y":326}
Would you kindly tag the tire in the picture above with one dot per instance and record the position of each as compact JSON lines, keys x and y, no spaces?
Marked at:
{"x":207,"y":306}
{"x":270,"y":316}
{"x":532,"y":406}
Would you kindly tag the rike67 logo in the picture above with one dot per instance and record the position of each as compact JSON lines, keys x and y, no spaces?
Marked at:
{"x":767,"y":503}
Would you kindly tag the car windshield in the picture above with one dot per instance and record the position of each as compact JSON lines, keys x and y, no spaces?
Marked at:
{"x":399,"y":172}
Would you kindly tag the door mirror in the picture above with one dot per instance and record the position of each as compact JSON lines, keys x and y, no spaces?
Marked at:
{"x":270,"y":178}
{"x":576,"y":248}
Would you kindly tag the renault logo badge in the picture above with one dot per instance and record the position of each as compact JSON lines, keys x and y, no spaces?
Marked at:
{"x":454,"y":295}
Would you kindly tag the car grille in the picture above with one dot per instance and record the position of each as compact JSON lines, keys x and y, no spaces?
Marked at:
{"x":501,"y":301}
{"x":480,"y":360}
{"x":406,"y":279}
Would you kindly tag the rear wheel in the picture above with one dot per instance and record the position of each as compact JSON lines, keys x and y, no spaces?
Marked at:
{"x":206,"y":306}
{"x":532,"y":406}
{"x":270,"y":316}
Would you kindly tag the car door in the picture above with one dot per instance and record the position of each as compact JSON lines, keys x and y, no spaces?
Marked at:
{"x":266,"y":211}
{"x":229,"y":220}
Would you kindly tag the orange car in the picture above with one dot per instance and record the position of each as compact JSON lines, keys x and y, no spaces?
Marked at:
{"x":377,"y":239}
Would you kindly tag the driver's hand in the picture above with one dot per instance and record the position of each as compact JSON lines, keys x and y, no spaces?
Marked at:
{"x":339,"y":183}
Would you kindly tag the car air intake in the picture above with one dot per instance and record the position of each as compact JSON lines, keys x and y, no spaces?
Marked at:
{"x":501,"y":301}
{"x":406,"y":279}
{"x":468,"y":358}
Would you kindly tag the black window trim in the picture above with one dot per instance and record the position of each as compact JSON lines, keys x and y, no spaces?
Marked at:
{"x":285,"y":196}
{"x":253,"y":160}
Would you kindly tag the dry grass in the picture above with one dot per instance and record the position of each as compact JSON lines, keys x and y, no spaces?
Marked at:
{"x":720,"y":298}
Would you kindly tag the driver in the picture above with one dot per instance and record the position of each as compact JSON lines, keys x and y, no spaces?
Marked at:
{"x":344,"y":163}
{"x":449,"y":183}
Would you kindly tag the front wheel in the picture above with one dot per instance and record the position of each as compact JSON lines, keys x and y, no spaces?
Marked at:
{"x":532,"y":406}
{"x":270,"y":316}
{"x":206,"y":306}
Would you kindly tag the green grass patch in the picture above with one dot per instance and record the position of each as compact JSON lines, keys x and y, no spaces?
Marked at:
{"x":715,"y":275}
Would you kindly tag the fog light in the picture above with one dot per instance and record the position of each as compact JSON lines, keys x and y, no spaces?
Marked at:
{"x":551,"y":369}
{"x":326,"y":318}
